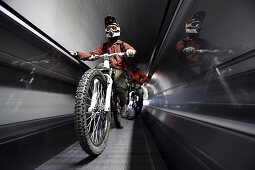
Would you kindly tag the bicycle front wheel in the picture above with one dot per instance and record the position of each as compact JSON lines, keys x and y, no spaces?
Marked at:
{"x":91,"y":124}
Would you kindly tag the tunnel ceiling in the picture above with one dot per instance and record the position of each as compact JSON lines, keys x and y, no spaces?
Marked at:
{"x":79,"y":25}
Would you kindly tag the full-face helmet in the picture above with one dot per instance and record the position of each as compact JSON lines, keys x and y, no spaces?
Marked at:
{"x":193,"y":26}
{"x":112,"y":28}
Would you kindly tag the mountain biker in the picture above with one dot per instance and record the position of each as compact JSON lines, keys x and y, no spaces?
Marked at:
{"x":187,"y":46}
{"x":113,"y":45}
{"x":138,"y":77}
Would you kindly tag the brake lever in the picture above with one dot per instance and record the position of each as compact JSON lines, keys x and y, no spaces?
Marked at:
{"x":92,"y":57}
{"x":88,"y":58}
{"x":125,"y":55}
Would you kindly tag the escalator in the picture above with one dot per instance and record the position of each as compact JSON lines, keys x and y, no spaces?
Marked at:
{"x":129,"y":148}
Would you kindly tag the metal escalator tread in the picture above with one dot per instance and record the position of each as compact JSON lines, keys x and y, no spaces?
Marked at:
{"x":129,"y":148}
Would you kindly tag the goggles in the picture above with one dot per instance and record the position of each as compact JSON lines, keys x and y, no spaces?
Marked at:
{"x":112,"y":27}
{"x":193,"y":24}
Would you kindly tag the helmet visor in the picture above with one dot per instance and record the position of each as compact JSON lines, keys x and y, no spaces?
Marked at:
{"x":193,"y":24}
{"x":111,"y":27}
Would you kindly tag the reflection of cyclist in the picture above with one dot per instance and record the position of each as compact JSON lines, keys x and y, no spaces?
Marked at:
{"x":138,"y":77}
{"x":187,"y":47}
{"x":49,"y":59}
{"x":114,"y":45}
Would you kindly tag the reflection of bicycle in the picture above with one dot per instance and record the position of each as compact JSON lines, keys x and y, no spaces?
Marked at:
{"x":207,"y":60}
{"x":95,"y":101}
{"x":136,"y":101}
{"x":28,"y":79}
{"x":216,"y":57}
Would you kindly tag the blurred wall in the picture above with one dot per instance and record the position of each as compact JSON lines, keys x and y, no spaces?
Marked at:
{"x":37,"y":80}
{"x":227,"y":25}
{"x":222,"y":81}
{"x":79,"y":25}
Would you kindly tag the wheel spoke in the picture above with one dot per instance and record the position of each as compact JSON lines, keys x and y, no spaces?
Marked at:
{"x":90,"y":123}
{"x":102,"y":127}
{"x":97,"y":130}
{"x":98,"y":127}
{"x":96,"y":121}
{"x":94,"y":129}
{"x":100,"y":130}
{"x":94,"y":136}
{"x":91,"y":89}
{"x":89,"y":116}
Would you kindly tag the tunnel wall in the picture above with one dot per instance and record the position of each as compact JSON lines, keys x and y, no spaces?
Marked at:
{"x":65,"y":22}
{"x":204,"y":118}
{"x":38,"y":79}
{"x":79,"y":25}
{"x":190,"y":141}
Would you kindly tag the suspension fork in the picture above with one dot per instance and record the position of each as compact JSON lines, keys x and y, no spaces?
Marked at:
{"x":108,"y":93}
{"x":94,"y":96}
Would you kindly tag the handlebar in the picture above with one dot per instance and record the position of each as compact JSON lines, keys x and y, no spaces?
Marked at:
{"x":109,"y":55}
{"x":21,"y":63}
{"x":202,"y":51}
{"x":104,"y":56}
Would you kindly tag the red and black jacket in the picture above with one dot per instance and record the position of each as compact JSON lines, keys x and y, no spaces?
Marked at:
{"x":116,"y":61}
{"x":191,"y":60}
{"x":137,"y":77}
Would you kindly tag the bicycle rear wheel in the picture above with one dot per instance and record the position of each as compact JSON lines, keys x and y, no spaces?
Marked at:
{"x":136,"y":106}
{"x":91,"y":124}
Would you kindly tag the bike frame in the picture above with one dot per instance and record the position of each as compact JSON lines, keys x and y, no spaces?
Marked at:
{"x":109,"y":81}
{"x":134,"y":92}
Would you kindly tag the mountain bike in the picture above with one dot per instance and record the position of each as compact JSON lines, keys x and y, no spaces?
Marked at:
{"x":212,"y":59}
{"x":95,"y":101}
{"x":207,"y":60}
{"x":31,"y":66}
{"x":135,"y":101}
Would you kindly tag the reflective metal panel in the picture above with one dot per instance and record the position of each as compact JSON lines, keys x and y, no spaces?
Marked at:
{"x":37,"y":77}
{"x":219,"y":81}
